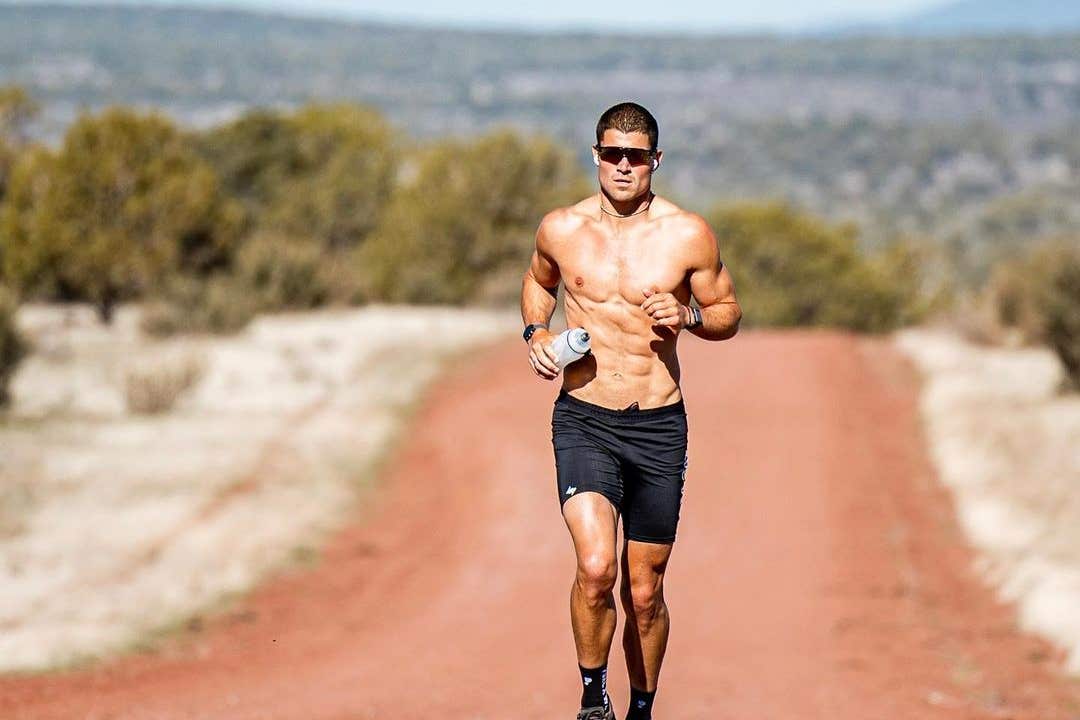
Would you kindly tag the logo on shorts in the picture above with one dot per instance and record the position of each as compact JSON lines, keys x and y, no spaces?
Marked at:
{"x":641,"y":704}
{"x":587,"y":680}
{"x":571,"y":490}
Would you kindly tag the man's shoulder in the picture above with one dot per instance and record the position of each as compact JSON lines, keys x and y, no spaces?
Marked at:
{"x":563,"y":221}
{"x":684,"y":223}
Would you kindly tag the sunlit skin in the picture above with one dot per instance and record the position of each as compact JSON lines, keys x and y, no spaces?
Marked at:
{"x":628,"y":281}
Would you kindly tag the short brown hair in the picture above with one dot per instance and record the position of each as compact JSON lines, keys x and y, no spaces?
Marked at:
{"x":628,"y":117}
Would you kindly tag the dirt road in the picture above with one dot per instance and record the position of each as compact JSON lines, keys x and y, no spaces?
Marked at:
{"x":818,"y":572}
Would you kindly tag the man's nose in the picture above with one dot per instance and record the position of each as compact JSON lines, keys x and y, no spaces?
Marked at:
{"x":624,"y":165}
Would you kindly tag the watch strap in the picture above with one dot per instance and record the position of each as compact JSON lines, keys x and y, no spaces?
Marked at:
{"x":695,"y":318}
{"x":530,"y":329}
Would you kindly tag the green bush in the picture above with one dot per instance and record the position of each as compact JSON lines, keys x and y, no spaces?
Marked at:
{"x":324,"y":173}
{"x":467,"y":213}
{"x":12,"y":345}
{"x":123,"y":203}
{"x":793,"y":269}
{"x":17,"y":109}
{"x":218,"y":304}
{"x":7,"y":165}
{"x":1040,"y":296}
{"x":284,"y":273}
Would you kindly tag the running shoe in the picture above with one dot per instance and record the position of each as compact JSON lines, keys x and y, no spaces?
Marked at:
{"x":597,"y":713}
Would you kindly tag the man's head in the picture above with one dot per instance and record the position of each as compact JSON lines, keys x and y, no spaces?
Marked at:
{"x":626,"y":151}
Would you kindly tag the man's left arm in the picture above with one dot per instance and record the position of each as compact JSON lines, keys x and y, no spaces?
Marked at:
{"x":711,"y":286}
{"x":713,"y":289}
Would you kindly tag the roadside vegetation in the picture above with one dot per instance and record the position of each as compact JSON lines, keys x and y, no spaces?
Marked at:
{"x":332,"y":205}
{"x":12,"y":344}
{"x":1038,"y":297}
{"x":329,"y":204}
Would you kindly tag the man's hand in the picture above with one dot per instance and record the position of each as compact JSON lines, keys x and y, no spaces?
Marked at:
{"x":542,"y":355}
{"x":665,"y":310}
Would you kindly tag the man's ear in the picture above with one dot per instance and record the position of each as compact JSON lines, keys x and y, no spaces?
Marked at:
{"x":656,"y":159}
{"x":595,"y":158}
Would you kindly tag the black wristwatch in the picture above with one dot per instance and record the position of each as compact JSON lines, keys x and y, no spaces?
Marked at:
{"x":530,"y":329}
{"x":695,"y":318}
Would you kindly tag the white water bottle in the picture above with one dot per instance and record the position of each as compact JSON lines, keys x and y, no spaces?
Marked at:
{"x":570,"y":346}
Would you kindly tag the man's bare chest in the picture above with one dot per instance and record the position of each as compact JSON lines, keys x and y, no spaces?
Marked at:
{"x":602,"y":268}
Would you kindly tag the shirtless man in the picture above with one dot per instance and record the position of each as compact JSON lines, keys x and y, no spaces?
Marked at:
{"x":630,"y":262}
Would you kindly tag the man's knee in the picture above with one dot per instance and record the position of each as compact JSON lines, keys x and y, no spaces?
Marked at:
{"x":644,"y":597}
{"x":596,"y":575}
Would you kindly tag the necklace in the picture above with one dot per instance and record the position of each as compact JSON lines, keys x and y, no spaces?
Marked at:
{"x":636,"y":212}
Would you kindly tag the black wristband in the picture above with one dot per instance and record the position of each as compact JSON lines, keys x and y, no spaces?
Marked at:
{"x":530,"y":329}
{"x":695,"y":318}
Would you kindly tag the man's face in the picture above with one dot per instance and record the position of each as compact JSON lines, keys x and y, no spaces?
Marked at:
{"x":619,"y":177}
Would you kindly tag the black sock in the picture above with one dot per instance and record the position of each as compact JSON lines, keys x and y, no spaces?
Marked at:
{"x":594,"y":684}
{"x":640,"y":704}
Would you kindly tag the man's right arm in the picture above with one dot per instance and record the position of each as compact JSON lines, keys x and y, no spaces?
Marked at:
{"x":539,"y":293}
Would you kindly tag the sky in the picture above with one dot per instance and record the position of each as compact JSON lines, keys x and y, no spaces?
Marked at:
{"x":642,"y":15}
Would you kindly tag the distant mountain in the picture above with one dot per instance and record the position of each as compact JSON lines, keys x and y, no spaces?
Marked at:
{"x":994,"y":16}
{"x":961,"y":137}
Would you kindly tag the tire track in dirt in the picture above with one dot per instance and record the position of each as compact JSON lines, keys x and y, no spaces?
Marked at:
{"x":818,"y":573}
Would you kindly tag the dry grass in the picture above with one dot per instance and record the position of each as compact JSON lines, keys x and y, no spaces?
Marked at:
{"x":1007,"y":442}
{"x":154,"y":385}
{"x":122,"y":524}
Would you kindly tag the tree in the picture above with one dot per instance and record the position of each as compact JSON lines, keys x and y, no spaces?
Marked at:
{"x":324,"y":172}
{"x":467,"y":215}
{"x":12,"y":345}
{"x":17,"y":109}
{"x":1040,"y":295}
{"x":123,"y":203}
{"x":796,"y":270}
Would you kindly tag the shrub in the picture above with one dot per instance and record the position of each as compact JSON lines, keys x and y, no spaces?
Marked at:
{"x":12,"y":345}
{"x":155,"y":386}
{"x":792,"y":269}
{"x":446,"y":245}
{"x":284,"y":273}
{"x":324,"y":172}
{"x":1040,"y":295}
{"x":219,"y":305}
{"x":123,"y":203}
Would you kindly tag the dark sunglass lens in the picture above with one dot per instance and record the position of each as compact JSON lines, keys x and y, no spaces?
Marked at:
{"x":611,"y":155}
{"x":614,"y":155}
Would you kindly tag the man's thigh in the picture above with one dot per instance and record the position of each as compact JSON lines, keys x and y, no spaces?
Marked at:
{"x":592,"y":521}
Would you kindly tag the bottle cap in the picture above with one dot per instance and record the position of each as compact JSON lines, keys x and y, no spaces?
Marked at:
{"x":578,"y":340}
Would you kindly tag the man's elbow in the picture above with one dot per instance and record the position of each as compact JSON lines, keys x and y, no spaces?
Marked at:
{"x":732,"y":325}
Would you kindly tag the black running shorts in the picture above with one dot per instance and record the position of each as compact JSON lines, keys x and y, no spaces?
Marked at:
{"x":635,"y":458}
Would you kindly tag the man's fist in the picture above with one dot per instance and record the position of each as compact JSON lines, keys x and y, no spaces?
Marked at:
{"x":542,"y":354}
{"x":665,"y":310}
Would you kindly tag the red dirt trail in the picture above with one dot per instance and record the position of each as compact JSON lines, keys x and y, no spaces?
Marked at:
{"x":818,"y":572}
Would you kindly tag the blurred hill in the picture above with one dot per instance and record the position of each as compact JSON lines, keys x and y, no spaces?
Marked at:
{"x":996,"y":16}
{"x":970,"y":140}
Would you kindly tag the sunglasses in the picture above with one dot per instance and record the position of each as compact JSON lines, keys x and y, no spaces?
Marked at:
{"x":614,"y":155}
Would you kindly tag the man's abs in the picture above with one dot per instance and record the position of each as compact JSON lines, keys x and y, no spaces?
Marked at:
{"x":629,"y":363}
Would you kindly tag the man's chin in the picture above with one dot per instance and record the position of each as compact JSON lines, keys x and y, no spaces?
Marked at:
{"x":622,"y":194}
